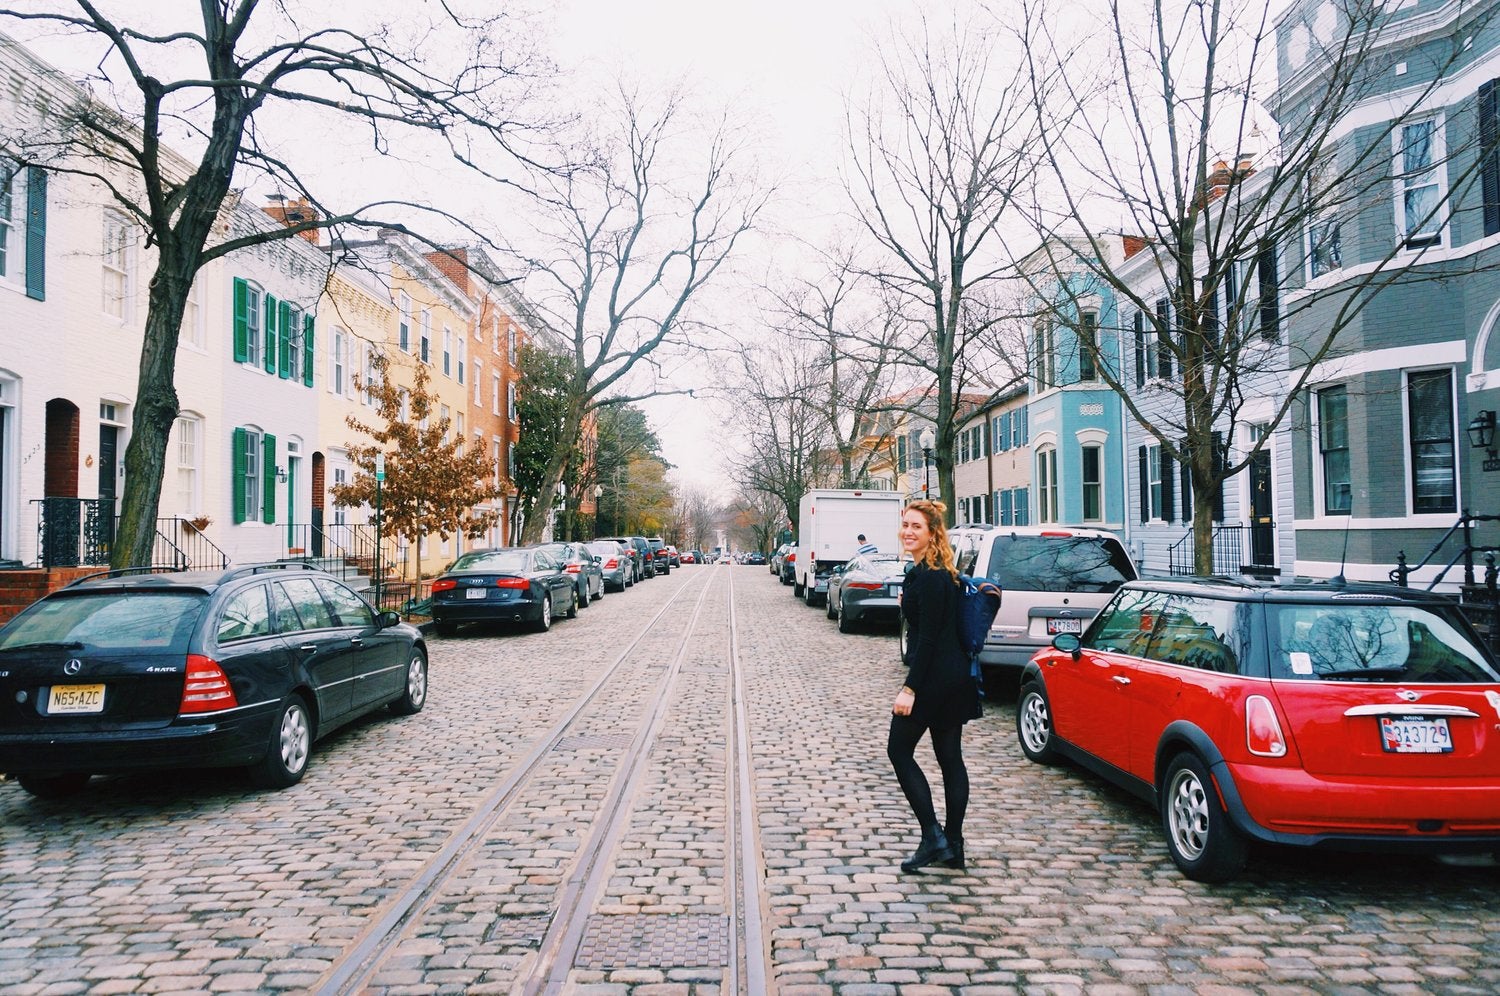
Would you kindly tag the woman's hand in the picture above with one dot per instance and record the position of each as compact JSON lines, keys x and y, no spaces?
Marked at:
{"x":904,"y":700}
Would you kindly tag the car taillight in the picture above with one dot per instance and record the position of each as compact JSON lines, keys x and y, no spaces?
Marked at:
{"x":791,"y":558}
{"x":206,"y":688}
{"x":573,"y":568}
{"x":1056,"y":532}
{"x":1262,"y":729}
{"x":444,"y":584}
{"x":611,"y":564}
{"x":864,"y":585}
{"x":512,"y":583}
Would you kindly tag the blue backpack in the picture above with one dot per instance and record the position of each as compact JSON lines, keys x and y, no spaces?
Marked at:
{"x":978,"y":604}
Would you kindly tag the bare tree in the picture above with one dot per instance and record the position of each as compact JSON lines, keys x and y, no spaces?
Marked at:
{"x":937,"y":160}
{"x":244,"y":65}
{"x":1232,"y":237}
{"x":631,"y":241}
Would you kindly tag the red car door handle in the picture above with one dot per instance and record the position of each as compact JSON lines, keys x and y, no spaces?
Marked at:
{"x":1121,"y":679}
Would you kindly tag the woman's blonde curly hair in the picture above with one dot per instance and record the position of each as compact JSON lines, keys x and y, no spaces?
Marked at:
{"x":939,"y":552}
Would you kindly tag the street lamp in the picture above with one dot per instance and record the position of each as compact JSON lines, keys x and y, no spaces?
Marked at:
{"x":925,"y":440}
{"x":598,"y":510}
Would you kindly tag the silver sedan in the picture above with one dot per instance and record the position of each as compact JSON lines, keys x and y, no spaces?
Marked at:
{"x":614,"y":561}
{"x":866,"y":588}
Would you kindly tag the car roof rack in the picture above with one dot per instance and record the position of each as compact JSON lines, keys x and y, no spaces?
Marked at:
{"x":117,"y":572}
{"x":247,"y":570}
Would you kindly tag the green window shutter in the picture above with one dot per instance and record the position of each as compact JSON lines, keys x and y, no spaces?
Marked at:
{"x":307,"y":350}
{"x":36,"y":233}
{"x":268,"y":502}
{"x":268,"y":335}
{"x":284,"y":332}
{"x":241,"y":321}
{"x":239,"y":475}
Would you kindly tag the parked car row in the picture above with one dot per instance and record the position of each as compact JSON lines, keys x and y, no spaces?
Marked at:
{"x":134,"y":670}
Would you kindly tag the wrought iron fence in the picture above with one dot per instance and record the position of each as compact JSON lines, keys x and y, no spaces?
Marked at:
{"x":73,"y":532}
{"x":185,"y":546}
{"x":351,"y":552}
{"x":1236,"y":550}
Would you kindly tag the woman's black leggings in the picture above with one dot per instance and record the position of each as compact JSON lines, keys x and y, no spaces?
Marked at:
{"x":947,"y":745}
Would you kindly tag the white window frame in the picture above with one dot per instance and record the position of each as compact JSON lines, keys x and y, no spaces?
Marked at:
{"x":1084,"y":484}
{"x":12,"y":224}
{"x":1320,"y":475}
{"x":338,"y":362}
{"x":252,"y":479}
{"x":1322,"y":219}
{"x":447,"y":351}
{"x":294,"y":343}
{"x":495,"y":400}
{"x":1435,"y":235}
{"x":403,"y":328}
{"x":255,"y":333}
{"x":117,"y":272}
{"x":510,"y":343}
{"x":192,"y":328}
{"x":369,"y":376}
{"x":1047,"y":495}
{"x":1044,"y":364}
{"x":478,"y":384}
{"x":1155,"y":493}
{"x":463,"y":357}
{"x":510,"y":401}
{"x":1457,"y":442}
{"x":188,"y":446}
{"x":425,"y":352}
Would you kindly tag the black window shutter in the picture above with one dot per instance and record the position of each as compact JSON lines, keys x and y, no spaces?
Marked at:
{"x":1145,"y":486}
{"x":1140,"y":351}
{"x":36,"y":233}
{"x":1163,"y":338}
{"x":1220,"y":461}
{"x":1265,"y":266}
{"x":1167,"y":498}
{"x":1489,"y":150}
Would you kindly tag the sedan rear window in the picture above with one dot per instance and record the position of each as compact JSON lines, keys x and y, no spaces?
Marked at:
{"x":493,"y":560}
{"x":156,"y":621}
{"x":1389,"y":643}
{"x":1059,"y":563}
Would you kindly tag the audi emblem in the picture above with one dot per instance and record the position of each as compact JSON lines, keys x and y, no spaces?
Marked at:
{"x":73,"y":666}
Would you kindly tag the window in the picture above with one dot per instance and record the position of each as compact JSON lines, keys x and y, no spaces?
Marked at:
{"x":510,"y":344}
{"x":192,"y":317}
{"x":1126,"y":625}
{"x":10,"y":197}
{"x":23,"y":228}
{"x":246,"y":615}
{"x":999,"y":430}
{"x":1093,"y":483}
{"x":337,"y":361}
{"x":1046,"y":484}
{"x":495,"y":336}
{"x":1253,"y":296}
{"x":1489,"y":144}
{"x":188,"y":449}
{"x":495,"y":441}
{"x":1023,"y":506}
{"x":495,"y":393}
{"x":1159,"y":342}
{"x":510,"y":461}
{"x":1045,"y":361}
{"x":1154,"y":483}
{"x":292,"y":340}
{"x":1429,"y":404}
{"x":445,"y":421}
{"x":447,"y":351}
{"x":426,"y":351}
{"x":403,"y":327}
{"x":1333,"y":445}
{"x":510,"y":401}
{"x":1088,"y":342}
{"x":115,"y":261}
{"x":254,"y":475}
{"x":458,"y":427}
{"x":1325,"y":252}
{"x":368,"y":377}
{"x":405,"y":405}
{"x":1419,"y":184}
{"x":478,"y":383}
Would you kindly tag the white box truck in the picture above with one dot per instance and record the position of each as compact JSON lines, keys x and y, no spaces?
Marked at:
{"x":828,"y":532}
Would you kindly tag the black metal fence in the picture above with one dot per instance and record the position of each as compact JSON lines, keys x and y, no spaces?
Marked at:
{"x":1478,"y":599}
{"x":80,"y":532}
{"x":1237,"y":549}
{"x":351,"y":552}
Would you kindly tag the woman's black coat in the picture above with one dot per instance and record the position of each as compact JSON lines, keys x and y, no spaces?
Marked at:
{"x":937,"y":667}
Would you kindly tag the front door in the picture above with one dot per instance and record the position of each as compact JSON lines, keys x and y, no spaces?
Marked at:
{"x":1262,"y":510}
{"x":109,"y":469}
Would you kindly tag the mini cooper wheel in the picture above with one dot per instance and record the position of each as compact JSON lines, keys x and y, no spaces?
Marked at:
{"x":289,"y":750}
{"x":1034,"y":725}
{"x":544,"y":622}
{"x":54,"y":786}
{"x":1204,"y":845}
{"x":414,"y":697}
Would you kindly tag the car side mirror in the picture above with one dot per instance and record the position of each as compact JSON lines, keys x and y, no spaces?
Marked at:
{"x":1068,"y":643}
{"x":387,"y":619}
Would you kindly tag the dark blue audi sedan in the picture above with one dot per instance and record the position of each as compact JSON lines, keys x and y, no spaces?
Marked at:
{"x":246,"y":667}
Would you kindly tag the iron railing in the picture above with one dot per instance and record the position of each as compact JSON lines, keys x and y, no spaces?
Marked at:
{"x":1235,"y":550}
{"x":351,"y":551}
{"x":79,"y":532}
{"x":1478,"y":600}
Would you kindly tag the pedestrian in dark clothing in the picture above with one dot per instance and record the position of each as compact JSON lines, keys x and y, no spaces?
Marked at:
{"x":940,"y":694}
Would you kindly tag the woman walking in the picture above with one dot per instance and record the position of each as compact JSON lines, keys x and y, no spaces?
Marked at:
{"x":940,"y":695}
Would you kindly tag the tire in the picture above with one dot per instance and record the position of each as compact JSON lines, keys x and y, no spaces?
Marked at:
{"x":581,"y":596}
{"x":901,"y":640}
{"x":1034,"y":725}
{"x":810,"y":594}
{"x":797,"y":589}
{"x":573,"y":608}
{"x":544,"y":622}
{"x":445,"y":628}
{"x":1204,"y":845}
{"x":289,"y":750}
{"x":846,"y":625}
{"x":411,"y":701}
{"x":54,"y":786}
{"x":829,"y":603}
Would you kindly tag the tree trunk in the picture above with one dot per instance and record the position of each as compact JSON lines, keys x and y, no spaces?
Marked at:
{"x":531,"y":530}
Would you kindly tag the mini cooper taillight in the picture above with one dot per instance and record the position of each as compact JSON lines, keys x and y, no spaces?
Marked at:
{"x":206,"y":688}
{"x":1262,"y":729}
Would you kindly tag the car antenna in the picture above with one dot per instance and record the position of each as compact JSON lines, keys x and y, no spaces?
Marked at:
{"x":1338,"y":580}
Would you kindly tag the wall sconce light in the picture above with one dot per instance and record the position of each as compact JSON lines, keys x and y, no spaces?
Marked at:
{"x":281,"y":474}
{"x":1482,"y":430}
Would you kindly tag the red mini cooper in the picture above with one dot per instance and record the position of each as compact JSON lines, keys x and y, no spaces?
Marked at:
{"x":1354,"y":716}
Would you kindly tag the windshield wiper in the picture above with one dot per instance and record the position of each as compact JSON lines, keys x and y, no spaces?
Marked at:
{"x":72,"y":645}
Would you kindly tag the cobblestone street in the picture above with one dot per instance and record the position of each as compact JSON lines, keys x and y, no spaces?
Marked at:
{"x":568,"y":814}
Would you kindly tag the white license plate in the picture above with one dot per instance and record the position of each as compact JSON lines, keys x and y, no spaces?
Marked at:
{"x":893,"y":590}
{"x":474,"y":593}
{"x":75,"y":699}
{"x":1415,"y":735}
{"x":1055,"y":626}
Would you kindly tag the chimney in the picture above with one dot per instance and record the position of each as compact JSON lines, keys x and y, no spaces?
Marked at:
{"x":1133,"y":244}
{"x":293,"y":212}
{"x":454,"y":265}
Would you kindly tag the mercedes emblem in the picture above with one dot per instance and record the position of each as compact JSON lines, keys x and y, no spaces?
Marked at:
{"x":73,"y":666}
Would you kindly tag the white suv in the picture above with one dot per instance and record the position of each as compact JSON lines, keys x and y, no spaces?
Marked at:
{"x":1053,"y":579}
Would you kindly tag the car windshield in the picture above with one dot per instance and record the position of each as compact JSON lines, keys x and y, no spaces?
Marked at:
{"x":116,"y":620}
{"x":886,"y":563}
{"x":493,"y":560}
{"x":1059,"y":563}
{"x":1393,"y":643}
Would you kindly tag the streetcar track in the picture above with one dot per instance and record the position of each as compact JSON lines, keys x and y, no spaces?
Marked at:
{"x":745,"y":867}
{"x":351,"y":972}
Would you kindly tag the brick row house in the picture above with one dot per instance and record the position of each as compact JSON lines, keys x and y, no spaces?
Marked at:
{"x":273,"y":338}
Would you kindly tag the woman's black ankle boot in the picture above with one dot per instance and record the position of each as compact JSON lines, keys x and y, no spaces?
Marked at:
{"x":933,"y":850}
{"x":956,"y":844}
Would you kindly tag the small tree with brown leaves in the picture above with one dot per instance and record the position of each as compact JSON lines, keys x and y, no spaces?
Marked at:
{"x":432,"y":482}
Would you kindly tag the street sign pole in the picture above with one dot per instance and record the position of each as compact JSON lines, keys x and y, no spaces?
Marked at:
{"x":379,"y":564}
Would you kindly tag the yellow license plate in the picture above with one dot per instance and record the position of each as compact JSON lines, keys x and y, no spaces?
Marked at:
{"x":75,"y":698}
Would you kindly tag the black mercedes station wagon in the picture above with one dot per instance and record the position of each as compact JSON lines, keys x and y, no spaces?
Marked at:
{"x":139,"y":669}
